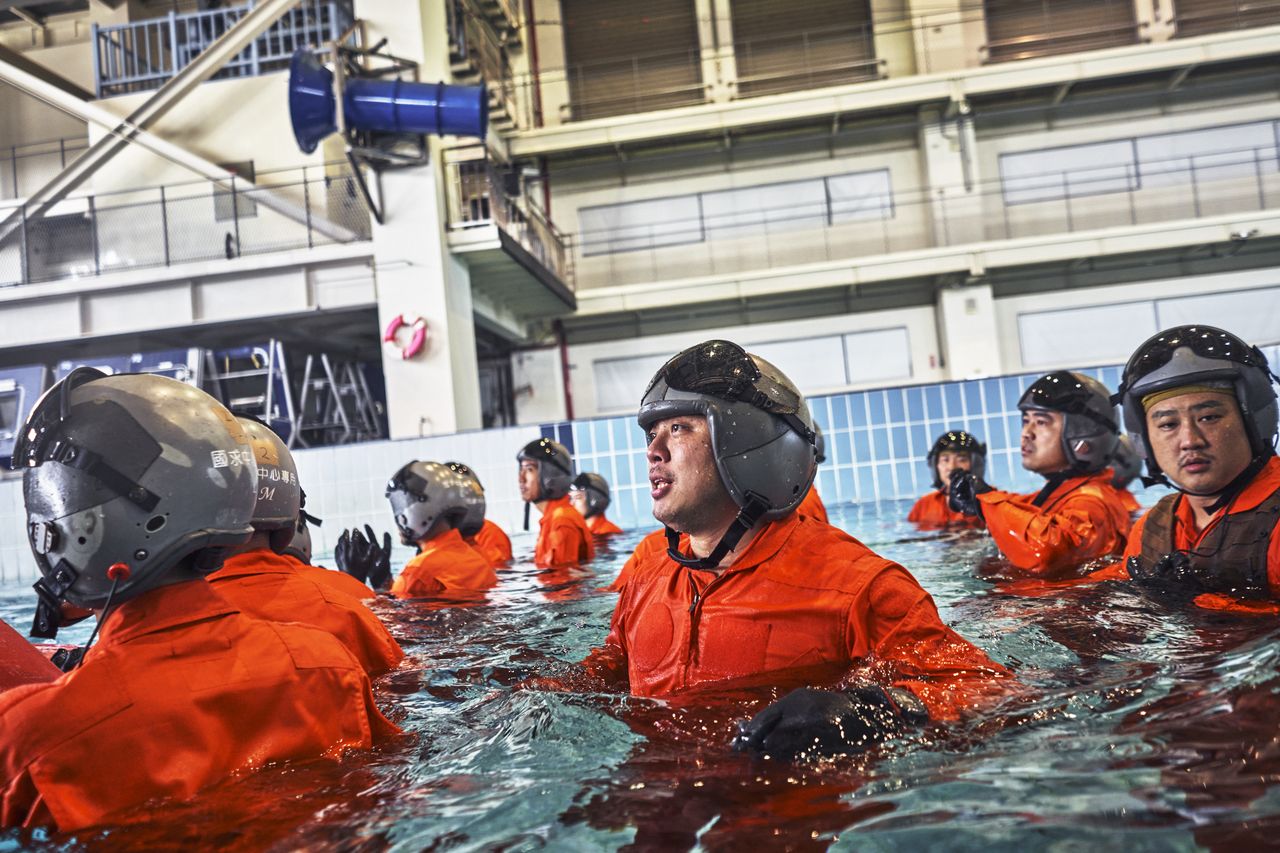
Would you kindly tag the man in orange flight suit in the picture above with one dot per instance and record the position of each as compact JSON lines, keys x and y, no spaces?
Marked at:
{"x":429,"y":501}
{"x":1069,"y":432}
{"x":263,"y":581}
{"x":955,"y":450}
{"x":589,"y":495}
{"x":1200,"y":404}
{"x":477,"y":531}
{"x":741,"y":590}
{"x":182,"y":691}
{"x":546,"y":472}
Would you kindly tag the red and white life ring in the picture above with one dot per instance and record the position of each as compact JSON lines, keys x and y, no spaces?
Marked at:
{"x":416,"y":341}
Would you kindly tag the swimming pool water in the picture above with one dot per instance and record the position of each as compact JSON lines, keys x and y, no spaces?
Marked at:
{"x":1141,"y":727}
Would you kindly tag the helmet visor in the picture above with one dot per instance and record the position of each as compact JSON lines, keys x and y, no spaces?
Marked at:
{"x":724,"y":370}
{"x":406,"y":480}
{"x":1204,"y":341}
{"x":1062,"y":392}
{"x":38,"y":440}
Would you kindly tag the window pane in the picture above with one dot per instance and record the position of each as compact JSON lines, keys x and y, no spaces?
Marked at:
{"x":640,"y":225}
{"x":1079,"y":170}
{"x":765,"y":208}
{"x":877,"y":355}
{"x":862,"y":195}
{"x":1216,"y":153}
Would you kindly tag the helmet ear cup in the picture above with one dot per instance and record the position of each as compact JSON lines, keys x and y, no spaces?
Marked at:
{"x":280,"y":539}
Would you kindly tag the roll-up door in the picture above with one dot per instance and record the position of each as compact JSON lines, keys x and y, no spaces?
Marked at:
{"x":1197,"y":17}
{"x":1018,"y":29}
{"x":629,"y":57}
{"x":801,"y":44}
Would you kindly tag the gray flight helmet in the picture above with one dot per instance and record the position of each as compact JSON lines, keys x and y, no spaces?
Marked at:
{"x":1090,"y":427}
{"x":596,"y":489}
{"x":555,"y":467}
{"x":473,"y":501}
{"x":300,"y":545}
{"x":819,"y":444}
{"x":1126,"y":463}
{"x":422,"y":493}
{"x":131,"y":482}
{"x":958,"y":441}
{"x":279,"y":495}
{"x":1200,"y":355}
{"x":762,"y":434}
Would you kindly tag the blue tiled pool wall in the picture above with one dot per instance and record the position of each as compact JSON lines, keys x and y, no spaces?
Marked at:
{"x":876,"y":440}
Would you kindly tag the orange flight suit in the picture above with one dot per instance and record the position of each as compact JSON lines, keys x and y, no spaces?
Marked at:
{"x":932,"y":511}
{"x":447,"y":564}
{"x":812,"y":506}
{"x":180,"y":691}
{"x":21,"y":662}
{"x":274,"y":587}
{"x":341,"y":581}
{"x":601,"y":526}
{"x":563,"y":537}
{"x":1130,"y":502}
{"x":493,"y":542}
{"x":1187,"y":538}
{"x":804,"y":603}
{"x":1083,"y":519}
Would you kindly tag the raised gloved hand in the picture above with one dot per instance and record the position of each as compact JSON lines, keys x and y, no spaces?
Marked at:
{"x":1170,"y":577}
{"x":380,"y":571}
{"x":359,"y":556}
{"x":963,"y":491}
{"x":815,"y":722}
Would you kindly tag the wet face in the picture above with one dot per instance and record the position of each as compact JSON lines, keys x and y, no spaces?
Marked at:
{"x":953,"y":460}
{"x":578,"y":498}
{"x":530,"y":491}
{"x":1042,"y":442}
{"x":1199,"y":440}
{"x":687,"y":493}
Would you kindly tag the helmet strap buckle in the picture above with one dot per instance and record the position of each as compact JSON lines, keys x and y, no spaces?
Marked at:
{"x":747,"y":518}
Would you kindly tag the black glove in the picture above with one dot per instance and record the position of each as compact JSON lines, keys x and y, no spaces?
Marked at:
{"x":1171,"y":577}
{"x":359,"y":556}
{"x":828,"y":722}
{"x":380,"y":566}
{"x":963,"y":491}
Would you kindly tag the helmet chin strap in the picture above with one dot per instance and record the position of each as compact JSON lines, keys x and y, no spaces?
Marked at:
{"x":1230,"y":491}
{"x":747,"y":518}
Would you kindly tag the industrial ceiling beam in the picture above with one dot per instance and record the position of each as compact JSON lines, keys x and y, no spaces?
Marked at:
{"x":134,"y":128}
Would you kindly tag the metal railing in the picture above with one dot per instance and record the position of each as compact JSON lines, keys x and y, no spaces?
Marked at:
{"x":182,"y":223}
{"x":476,"y":199}
{"x":143,"y":55}
{"x":29,"y":166}
{"x":1183,"y":189}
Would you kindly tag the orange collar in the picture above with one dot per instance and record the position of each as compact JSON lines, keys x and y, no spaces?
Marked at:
{"x":451,"y":538}
{"x":1264,"y":483}
{"x":768,"y":540}
{"x":259,"y":561}
{"x":553,"y":507}
{"x":163,"y":608}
